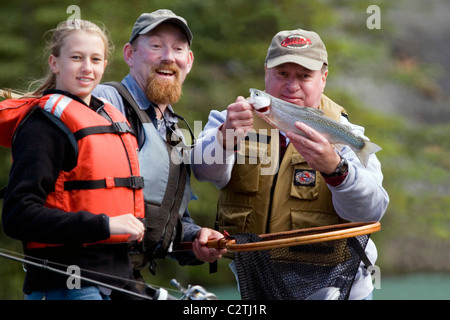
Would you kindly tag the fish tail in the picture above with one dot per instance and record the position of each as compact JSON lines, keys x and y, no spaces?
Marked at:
{"x":368,"y":149}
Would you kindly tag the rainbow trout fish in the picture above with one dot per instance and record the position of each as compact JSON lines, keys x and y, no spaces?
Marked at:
{"x":283,"y":115}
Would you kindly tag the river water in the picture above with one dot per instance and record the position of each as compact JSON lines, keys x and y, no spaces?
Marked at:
{"x":420,"y":286}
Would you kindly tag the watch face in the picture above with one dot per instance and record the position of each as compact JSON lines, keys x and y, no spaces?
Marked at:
{"x":342,"y":167}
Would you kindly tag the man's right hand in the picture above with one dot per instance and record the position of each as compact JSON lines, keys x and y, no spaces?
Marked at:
{"x":238,"y":122}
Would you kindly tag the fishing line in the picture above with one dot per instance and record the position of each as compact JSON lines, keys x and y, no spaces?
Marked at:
{"x":45,"y":264}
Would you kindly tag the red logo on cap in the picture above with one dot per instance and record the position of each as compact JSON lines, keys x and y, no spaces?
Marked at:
{"x":296,"y":41}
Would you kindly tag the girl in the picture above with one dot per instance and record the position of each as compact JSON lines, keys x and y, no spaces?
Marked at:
{"x":74,"y":196}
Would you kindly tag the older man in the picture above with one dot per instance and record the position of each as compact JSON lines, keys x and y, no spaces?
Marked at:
{"x":256,"y":200}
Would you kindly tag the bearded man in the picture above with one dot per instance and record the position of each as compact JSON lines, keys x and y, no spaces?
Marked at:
{"x":160,"y":58}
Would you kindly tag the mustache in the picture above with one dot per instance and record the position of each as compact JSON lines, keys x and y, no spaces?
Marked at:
{"x":165,"y":67}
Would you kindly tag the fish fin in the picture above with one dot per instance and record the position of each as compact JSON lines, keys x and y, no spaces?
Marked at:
{"x":366,"y":151}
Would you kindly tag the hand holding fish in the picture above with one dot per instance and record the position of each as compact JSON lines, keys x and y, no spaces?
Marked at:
{"x":238,"y":121}
{"x":284,"y":116}
{"x":318,"y":152}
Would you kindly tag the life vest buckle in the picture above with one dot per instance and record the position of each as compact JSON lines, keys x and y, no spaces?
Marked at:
{"x":122,"y":127}
{"x":136,"y":182}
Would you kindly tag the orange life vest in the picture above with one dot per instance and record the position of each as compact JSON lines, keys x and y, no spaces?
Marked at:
{"x":12,"y":112}
{"x":106,"y":178}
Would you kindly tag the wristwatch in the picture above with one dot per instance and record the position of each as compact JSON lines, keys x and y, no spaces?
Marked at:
{"x":341,"y":169}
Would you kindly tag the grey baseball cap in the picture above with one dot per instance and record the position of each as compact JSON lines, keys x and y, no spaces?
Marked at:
{"x":298,"y":46}
{"x":148,"y":21}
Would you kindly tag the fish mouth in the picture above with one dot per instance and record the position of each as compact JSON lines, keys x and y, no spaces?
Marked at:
{"x":258,"y":102}
{"x":263,"y":109}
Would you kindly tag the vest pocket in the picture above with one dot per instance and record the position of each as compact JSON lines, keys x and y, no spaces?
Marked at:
{"x":233,"y":218}
{"x":245,"y":177}
{"x":305,"y":183}
{"x":301,"y":219}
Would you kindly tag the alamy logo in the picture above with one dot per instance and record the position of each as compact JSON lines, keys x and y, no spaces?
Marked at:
{"x":74,"y":279}
{"x":73,"y":22}
{"x":374,"y":21}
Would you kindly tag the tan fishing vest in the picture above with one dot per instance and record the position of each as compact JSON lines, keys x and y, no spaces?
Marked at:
{"x":264,"y":196}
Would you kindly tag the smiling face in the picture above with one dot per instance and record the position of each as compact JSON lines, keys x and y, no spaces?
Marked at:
{"x":159,"y":62}
{"x":296,"y":84}
{"x":80,"y":65}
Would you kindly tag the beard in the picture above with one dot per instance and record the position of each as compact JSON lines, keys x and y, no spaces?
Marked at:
{"x":164,"y":91}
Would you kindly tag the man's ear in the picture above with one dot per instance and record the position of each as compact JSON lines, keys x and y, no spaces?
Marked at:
{"x":324,"y":79}
{"x":191,"y":61}
{"x":128,"y":53}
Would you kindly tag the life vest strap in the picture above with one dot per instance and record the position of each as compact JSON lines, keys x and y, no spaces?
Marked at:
{"x":133,"y":182}
{"x":115,"y":127}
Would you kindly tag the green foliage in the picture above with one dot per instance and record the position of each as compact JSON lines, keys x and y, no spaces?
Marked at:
{"x":415,"y":165}
{"x":230,"y":42}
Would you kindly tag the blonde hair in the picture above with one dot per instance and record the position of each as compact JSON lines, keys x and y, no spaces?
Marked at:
{"x":57,"y":41}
